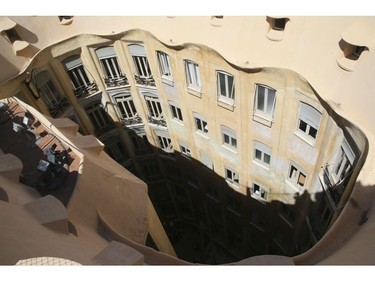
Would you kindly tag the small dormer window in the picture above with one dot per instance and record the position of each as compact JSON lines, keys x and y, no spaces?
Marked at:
{"x":357,"y":51}
{"x":279,"y":23}
{"x":12,"y":35}
{"x":65,"y":20}
{"x":276,"y":28}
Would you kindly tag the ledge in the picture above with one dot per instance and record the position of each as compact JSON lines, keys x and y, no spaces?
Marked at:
{"x":117,"y":253}
{"x":19,"y":46}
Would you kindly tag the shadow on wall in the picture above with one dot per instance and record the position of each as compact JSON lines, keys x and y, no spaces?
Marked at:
{"x":208,"y":222}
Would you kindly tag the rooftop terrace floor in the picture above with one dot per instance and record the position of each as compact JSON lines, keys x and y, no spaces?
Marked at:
{"x":48,"y":164}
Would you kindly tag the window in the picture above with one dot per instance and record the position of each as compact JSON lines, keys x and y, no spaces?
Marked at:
{"x":260,"y":191}
{"x":76,"y":72}
{"x":98,"y":116}
{"x":65,"y":20}
{"x":193,"y":76}
{"x":262,"y":153}
{"x":343,"y":163}
{"x":115,"y":150}
{"x":140,"y":143}
{"x":176,"y":112}
{"x":151,"y":170}
{"x":126,"y":105}
{"x":108,"y":61}
{"x":225,"y":86}
{"x":200,"y":123}
{"x":264,"y":107}
{"x":140,"y":60}
{"x":164,"y":65}
{"x":353,"y":52}
{"x":296,"y":176}
{"x":229,"y":137}
{"x":308,"y":122}
{"x":12,"y":35}
{"x":127,"y":108}
{"x":206,"y":160}
{"x":47,"y":89}
{"x":155,"y":110}
{"x":184,"y":148}
{"x":231,"y":176}
{"x":164,"y":141}
{"x":279,"y":23}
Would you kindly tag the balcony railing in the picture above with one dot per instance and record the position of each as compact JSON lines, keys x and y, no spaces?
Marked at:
{"x":57,"y":107}
{"x":132,"y":121}
{"x":105,"y":129}
{"x":116,"y":82}
{"x":147,"y":81}
{"x":83,"y":91}
{"x":160,"y":121}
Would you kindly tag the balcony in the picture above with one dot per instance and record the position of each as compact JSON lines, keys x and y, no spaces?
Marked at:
{"x":102,"y":130}
{"x":146,"y":81}
{"x":159,"y":121}
{"x":132,"y":121}
{"x":57,"y":107}
{"x":116,"y":82}
{"x":84,"y":91}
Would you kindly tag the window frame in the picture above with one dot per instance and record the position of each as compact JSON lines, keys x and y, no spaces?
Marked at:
{"x":294,"y":174}
{"x":231,"y":137}
{"x":164,"y":141}
{"x":176,"y":112}
{"x":264,"y":150}
{"x":140,"y":60}
{"x":164,"y":65}
{"x":76,"y":72}
{"x":193,"y":76}
{"x":345,"y":159}
{"x":98,"y":117}
{"x":261,"y":192}
{"x":153,"y":105}
{"x":229,"y":94}
{"x":109,"y":62}
{"x":309,"y":116}
{"x":130,"y":110}
{"x":234,"y":178}
{"x":201,"y":125}
{"x":185,"y":149}
{"x":261,"y":115}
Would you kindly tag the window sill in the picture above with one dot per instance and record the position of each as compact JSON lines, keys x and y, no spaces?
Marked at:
{"x":66,"y":21}
{"x":346,"y":64}
{"x":226,"y":103}
{"x":275,"y":35}
{"x":195,"y":92}
{"x":179,"y":122}
{"x":309,"y":140}
{"x":234,"y":185}
{"x":259,"y":199}
{"x":19,"y":46}
{"x":230,"y":149}
{"x":295,"y":187}
{"x":262,"y":120}
{"x":264,"y":166}
{"x":202,"y":135}
{"x":168,"y":81}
